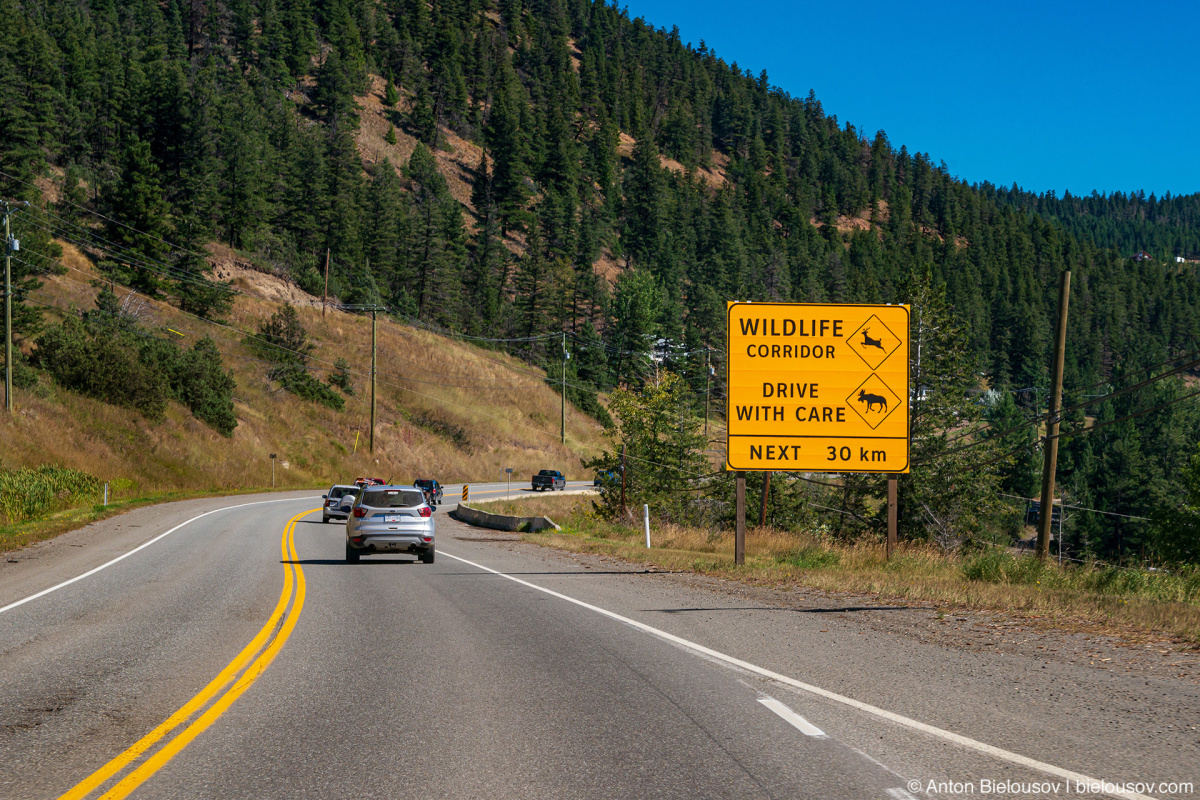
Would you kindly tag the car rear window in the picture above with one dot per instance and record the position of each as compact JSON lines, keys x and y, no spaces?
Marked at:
{"x":423,"y":484}
{"x":338,"y":491}
{"x":392,"y":498}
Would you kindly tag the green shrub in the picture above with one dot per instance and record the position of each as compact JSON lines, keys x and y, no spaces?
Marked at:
{"x":297,"y":380}
{"x":206,"y":388}
{"x":811,"y":558}
{"x":27,"y":494}
{"x":340,"y":377}
{"x":999,"y":566}
{"x":283,"y":341}
{"x":108,"y":367}
{"x":23,"y":376}
{"x":106,"y":356}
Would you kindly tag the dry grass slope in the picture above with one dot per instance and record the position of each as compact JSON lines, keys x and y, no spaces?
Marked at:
{"x":445,"y":409}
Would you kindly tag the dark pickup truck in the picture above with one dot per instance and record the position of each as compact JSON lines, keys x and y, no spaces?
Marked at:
{"x":549,"y":479}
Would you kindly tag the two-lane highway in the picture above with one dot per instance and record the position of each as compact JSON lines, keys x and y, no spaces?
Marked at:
{"x":269,"y":667}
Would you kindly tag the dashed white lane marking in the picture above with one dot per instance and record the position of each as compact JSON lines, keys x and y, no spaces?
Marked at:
{"x":791,"y":717}
{"x":962,"y":741}
{"x":142,"y":546}
{"x":900,"y":794}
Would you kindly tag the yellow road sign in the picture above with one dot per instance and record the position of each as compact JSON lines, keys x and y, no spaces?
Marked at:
{"x":466,"y":493}
{"x":817,"y":387}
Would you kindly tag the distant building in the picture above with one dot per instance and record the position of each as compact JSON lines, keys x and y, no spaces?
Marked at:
{"x":1180,"y":259}
{"x":1141,"y":255}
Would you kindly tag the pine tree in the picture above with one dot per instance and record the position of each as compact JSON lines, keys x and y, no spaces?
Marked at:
{"x":140,"y":218}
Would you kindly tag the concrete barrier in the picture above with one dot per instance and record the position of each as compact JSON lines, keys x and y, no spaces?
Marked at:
{"x":500,"y":522}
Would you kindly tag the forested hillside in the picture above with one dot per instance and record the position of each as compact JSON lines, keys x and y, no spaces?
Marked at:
{"x":576,"y":173}
{"x":1167,"y":228}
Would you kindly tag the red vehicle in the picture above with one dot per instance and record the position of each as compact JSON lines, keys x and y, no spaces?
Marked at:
{"x":361,"y":482}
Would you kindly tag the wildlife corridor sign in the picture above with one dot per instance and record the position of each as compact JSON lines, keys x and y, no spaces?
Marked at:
{"x":817,"y":387}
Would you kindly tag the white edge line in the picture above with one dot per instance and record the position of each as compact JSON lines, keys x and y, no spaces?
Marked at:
{"x":791,"y":717}
{"x":950,"y":736}
{"x":123,"y":556}
{"x":900,"y":794}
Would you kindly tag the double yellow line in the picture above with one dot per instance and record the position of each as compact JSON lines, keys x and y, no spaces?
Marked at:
{"x":227,"y":687}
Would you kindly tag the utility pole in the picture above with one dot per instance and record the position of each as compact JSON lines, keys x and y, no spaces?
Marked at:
{"x":622,"y":481}
{"x":562,"y":423}
{"x":739,"y":535}
{"x":374,"y":339}
{"x":325,"y":293}
{"x":762,"y":512}
{"x":10,"y":245}
{"x":8,"y":370}
{"x":1052,"y":420}
{"x":707,"y":391}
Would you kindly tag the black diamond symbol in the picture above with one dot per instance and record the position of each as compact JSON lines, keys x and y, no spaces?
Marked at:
{"x":874,"y":401}
{"x":873,"y":342}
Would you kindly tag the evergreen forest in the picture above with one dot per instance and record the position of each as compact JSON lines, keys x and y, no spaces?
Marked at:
{"x":621,"y":186}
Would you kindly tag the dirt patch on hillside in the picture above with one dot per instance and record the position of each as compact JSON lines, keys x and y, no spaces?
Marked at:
{"x":607,"y":267}
{"x":225,"y":264}
{"x":713,"y":175}
{"x":457,"y":164}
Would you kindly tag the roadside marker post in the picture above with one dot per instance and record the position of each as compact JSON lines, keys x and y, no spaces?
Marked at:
{"x":816,"y":387}
{"x":646,"y":516}
{"x":466,"y":496}
{"x":272,"y":470}
{"x":508,"y":472}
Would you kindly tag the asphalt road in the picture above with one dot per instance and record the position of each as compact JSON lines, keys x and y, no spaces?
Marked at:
{"x":509,"y":671}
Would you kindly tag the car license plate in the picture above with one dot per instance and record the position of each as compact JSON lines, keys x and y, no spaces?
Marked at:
{"x":391,"y":518}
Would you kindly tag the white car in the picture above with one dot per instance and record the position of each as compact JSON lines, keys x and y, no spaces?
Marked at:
{"x":335,"y":507}
{"x":390,"y":519}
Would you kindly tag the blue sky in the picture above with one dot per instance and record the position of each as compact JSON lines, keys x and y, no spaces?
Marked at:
{"x":1054,"y":96}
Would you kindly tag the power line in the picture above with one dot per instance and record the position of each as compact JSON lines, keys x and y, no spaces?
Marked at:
{"x":1081,"y":508}
{"x":328,"y":369}
{"x":109,"y":219}
{"x":1095,"y":401}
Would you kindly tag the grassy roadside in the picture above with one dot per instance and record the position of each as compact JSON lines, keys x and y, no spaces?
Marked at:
{"x":20,"y":534}
{"x":1131,"y":603}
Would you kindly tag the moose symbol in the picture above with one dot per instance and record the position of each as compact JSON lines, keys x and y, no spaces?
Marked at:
{"x":872,"y":400}
{"x":869,"y":342}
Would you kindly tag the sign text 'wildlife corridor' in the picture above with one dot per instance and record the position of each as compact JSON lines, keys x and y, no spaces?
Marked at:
{"x":818,"y":387}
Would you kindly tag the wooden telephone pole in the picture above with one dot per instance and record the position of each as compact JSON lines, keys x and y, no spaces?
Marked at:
{"x":8,"y":357}
{"x":374,"y":371}
{"x":562,"y":423}
{"x":1050,"y":463}
{"x":10,"y":245}
{"x":707,"y":391}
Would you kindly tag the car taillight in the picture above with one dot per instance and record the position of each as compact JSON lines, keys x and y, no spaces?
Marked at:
{"x":426,"y":512}
{"x":360,"y":512}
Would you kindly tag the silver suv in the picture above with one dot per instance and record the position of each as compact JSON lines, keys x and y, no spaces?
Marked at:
{"x":390,"y":519}
{"x":336,"y":501}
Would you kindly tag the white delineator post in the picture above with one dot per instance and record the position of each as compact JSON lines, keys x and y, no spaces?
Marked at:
{"x":646,"y":514}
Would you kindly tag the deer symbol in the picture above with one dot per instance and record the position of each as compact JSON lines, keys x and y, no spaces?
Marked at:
{"x":869,"y":342}
{"x":872,"y":400}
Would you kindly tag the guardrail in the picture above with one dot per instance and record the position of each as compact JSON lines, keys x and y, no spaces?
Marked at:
{"x":501,"y":522}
